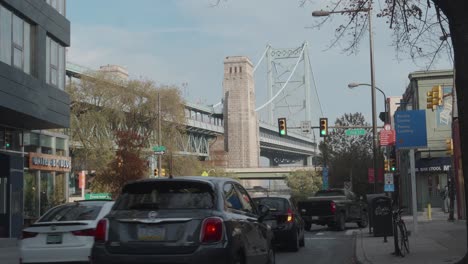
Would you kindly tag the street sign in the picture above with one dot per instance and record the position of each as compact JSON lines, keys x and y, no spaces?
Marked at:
{"x":410,"y":129}
{"x":389,"y":188}
{"x":159,"y":150}
{"x":355,"y":132}
{"x":347,"y":185}
{"x":305,"y":126}
{"x":325,"y":178}
{"x":91,"y":196}
{"x":387,"y":127}
{"x":387,"y":137}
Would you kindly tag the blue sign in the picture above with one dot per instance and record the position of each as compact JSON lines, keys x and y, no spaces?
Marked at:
{"x":389,"y":188}
{"x":325,"y":178}
{"x":410,"y":127}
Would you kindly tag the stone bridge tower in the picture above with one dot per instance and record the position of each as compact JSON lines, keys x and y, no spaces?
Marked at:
{"x":241,"y":141}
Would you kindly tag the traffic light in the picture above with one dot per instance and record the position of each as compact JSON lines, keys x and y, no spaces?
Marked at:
{"x":163,"y":172}
{"x":155,"y":173}
{"x":449,"y":146}
{"x":434,"y":97}
{"x":387,"y":165}
{"x":282,"y":128}
{"x":391,"y":165}
{"x":323,"y":127}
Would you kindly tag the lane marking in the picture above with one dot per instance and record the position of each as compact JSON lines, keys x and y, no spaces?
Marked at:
{"x":320,"y":238}
{"x":319,"y":234}
{"x":350,"y":232}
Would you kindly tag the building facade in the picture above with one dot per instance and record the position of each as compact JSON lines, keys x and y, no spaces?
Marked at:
{"x":432,"y":164}
{"x":33,"y":37}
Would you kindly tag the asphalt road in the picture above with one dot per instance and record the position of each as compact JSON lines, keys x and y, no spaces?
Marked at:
{"x":323,"y":245}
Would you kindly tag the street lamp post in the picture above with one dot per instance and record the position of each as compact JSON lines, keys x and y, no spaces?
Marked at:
{"x":386,"y":109}
{"x":371,"y":49}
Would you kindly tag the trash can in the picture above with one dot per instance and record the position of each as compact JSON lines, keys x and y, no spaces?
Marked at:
{"x":369,"y":198}
{"x":381,"y":210}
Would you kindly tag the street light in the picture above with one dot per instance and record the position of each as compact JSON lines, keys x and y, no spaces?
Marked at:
{"x":371,"y":49}
{"x":354,"y":85}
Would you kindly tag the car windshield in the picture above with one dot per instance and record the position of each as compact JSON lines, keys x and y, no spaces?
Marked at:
{"x":166,"y":195}
{"x":330,"y":193}
{"x":73,"y":212}
{"x":275,"y":204}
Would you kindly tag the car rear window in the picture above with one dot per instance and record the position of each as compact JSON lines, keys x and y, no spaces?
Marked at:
{"x":166,"y":195}
{"x":73,"y":212}
{"x":275,"y":204}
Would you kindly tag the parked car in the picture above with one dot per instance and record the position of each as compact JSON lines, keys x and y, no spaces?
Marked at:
{"x":334,"y":208}
{"x":184,"y":220}
{"x":285,"y":221}
{"x":64,"y":233}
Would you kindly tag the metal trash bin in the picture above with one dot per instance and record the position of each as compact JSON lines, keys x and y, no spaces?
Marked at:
{"x":382,"y":217}
{"x":369,"y":198}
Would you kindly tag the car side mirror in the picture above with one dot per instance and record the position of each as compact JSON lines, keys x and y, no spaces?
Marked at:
{"x":263,"y":212}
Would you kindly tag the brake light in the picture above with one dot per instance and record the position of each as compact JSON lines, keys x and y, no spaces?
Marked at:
{"x":86,"y":232}
{"x":26,"y":234}
{"x":333,"y":207}
{"x":100,"y":235}
{"x":212,"y":230}
{"x":290,"y":215}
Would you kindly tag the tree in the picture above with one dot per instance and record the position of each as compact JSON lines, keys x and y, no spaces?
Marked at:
{"x":304,"y":183}
{"x":348,"y":157}
{"x":105,"y":109}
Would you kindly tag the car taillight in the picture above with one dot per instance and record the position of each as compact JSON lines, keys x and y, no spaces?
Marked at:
{"x":86,"y":232}
{"x":290,"y":216}
{"x":26,"y":234}
{"x":332,"y":207}
{"x":100,"y":235}
{"x":212,"y":230}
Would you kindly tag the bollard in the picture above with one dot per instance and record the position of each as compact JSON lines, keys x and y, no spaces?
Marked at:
{"x":429,"y":212}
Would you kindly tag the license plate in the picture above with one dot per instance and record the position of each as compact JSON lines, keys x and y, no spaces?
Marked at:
{"x":315,"y":217}
{"x":54,"y":239}
{"x":271,"y":223}
{"x":151,"y":233}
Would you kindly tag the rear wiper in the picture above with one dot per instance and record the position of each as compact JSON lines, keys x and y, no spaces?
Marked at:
{"x":145,"y":206}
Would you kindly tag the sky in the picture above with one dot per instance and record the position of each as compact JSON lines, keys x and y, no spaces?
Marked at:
{"x":184,"y":43}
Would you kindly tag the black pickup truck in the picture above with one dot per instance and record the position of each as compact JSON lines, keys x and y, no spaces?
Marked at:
{"x":334,"y":208}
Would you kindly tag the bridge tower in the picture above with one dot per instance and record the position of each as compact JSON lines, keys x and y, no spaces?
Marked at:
{"x":240,"y":119}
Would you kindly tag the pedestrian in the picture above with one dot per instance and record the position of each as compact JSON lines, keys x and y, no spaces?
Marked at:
{"x":446,"y":199}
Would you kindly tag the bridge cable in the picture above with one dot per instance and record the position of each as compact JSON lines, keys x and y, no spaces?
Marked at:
{"x":286,"y":83}
{"x":315,"y":86}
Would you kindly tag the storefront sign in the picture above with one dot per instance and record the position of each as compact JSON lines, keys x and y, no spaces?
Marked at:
{"x":442,"y":164}
{"x":45,"y":162}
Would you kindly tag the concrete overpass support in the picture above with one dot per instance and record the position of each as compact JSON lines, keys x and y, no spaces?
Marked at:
{"x":240,"y":119}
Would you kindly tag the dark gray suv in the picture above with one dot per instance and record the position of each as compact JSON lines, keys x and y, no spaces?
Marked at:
{"x":184,"y":220}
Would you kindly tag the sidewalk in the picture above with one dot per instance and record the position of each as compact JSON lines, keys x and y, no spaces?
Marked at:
{"x":437,"y":241}
{"x":9,"y":253}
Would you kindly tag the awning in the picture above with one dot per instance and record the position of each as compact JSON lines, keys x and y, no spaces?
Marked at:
{"x":442,"y":164}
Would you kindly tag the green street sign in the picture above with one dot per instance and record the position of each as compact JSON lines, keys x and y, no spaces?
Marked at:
{"x":355,"y":132}
{"x":92,"y":196}
{"x":159,"y":148}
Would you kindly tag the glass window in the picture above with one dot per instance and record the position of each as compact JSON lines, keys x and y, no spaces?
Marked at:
{"x":47,"y":191}
{"x":166,"y":195}
{"x":59,"y":188}
{"x":30,"y":196}
{"x":84,"y":211}
{"x":247,"y":205}
{"x":55,"y":64}
{"x":60,"y":146}
{"x":46,"y":144}
{"x":275,"y":204}
{"x":31,"y":142}
{"x":231,"y":197}
{"x":27,"y":49}
{"x":5,"y":35}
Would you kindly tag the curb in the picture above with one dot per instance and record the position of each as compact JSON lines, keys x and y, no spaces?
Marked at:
{"x":357,"y":258}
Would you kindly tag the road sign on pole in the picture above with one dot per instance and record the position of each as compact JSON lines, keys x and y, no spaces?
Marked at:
{"x":410,"y":129}
{"x":389,"y":186}
{"x":355,"y":132}
{"x":305,"y":126}
{"x":159,"y":150}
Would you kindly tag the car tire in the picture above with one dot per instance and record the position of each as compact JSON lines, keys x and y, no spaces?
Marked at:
{"x":341,"y":222}
{"x":307,"y":226}
{"x":294,"y":245}
{"x":364,"y":221}
{"x":271,"y":256}
{"x":302,"y":240}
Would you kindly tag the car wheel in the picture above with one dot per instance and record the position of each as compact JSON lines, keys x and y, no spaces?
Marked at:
{"x":307,"y":226}
{"x":271,"y":256}
{"x":294,"y":244}
{"x":364,"y":222}
{"x":302,"y":240}
{"x":341,"y":222}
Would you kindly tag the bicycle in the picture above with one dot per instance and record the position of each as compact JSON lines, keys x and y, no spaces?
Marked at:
{"x":400,"y":234}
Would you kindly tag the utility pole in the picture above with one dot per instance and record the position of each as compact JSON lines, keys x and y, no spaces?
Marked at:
{"x":159,"y":133}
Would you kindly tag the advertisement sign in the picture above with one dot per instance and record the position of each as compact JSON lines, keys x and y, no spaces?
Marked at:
{"x":46,"y":162}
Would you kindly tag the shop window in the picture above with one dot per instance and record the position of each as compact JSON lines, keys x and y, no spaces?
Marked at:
{"x":46,"y":144}
{"x":31,"y":202}
{"x":60,"y":146}
{"x":31,"y":142}
{"x":47,"y":192}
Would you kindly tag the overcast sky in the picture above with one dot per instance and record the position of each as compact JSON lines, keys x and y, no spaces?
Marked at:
{"x":185,"y":41}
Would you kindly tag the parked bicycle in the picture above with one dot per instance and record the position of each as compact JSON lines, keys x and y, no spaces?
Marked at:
{"x":400,"y":234}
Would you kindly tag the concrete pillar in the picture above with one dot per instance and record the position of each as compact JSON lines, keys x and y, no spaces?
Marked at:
{"x":240,"y":119}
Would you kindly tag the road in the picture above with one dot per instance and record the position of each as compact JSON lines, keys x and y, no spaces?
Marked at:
{"x":323,"y":246}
